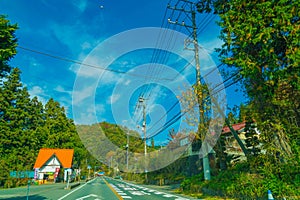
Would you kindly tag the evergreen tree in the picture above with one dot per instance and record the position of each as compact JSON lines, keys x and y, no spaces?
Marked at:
{"x":8,"y":44}
{"x":261,"y":41}
{"x":61,"y":131}
{"x":17,"y":132}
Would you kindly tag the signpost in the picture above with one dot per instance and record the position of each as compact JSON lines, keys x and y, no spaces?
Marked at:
{"x":28,"y":186}
{"x":68,"y":179}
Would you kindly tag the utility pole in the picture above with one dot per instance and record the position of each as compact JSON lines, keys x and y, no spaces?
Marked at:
{"x":191,"y":13}
{"x":127,"y":150}
{"x":142,"y":101}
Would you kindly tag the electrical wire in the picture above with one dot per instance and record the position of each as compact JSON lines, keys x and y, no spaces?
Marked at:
{"x":91,"y":66}
{"x":204,"y":23}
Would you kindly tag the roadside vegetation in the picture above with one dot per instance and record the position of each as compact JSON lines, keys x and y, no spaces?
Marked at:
{"x":261,"y":51}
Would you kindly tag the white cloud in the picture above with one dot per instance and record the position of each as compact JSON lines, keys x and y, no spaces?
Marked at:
{"x":86,"y":45}
{"x":95,"y":68}
{"x":75,"y":36}
{"x":59,"y":88}
{"x":80,"y":94}
{"x":39,"y":93}
{"x":100,"y":108}
{"x":113,"y":98}
{"x":87,"y":114}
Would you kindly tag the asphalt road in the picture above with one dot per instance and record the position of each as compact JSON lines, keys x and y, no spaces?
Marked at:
{"x":101,"y":188}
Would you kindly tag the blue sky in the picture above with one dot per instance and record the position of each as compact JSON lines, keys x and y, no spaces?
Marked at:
{"x":74,"y":30}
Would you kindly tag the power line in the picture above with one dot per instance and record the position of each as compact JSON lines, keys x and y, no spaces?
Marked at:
{"x":159,"y":56}
{"x":204,"y":25}
{"x":155,"y":55}
{"x":91,"y":66}
{"x":162,"y":56}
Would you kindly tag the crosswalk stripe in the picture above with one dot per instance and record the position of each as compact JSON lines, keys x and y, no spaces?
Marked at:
{"x":126,"y":197}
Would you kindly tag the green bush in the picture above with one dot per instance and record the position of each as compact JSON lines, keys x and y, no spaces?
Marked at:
{"x":238,"y":183}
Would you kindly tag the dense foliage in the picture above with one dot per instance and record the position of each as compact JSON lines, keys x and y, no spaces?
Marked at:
{"x":237,"y":182}
{"x":261,"y":46}
{"x":261,"y":41}
{"x":8,"y":44}
{"x":26,"y":126}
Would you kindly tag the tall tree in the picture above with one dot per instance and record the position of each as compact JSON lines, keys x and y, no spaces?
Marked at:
{"x":261,"y":40}
{"x":18,"y":138}
{"x":61,"y":131}
{"x":8,"y":44}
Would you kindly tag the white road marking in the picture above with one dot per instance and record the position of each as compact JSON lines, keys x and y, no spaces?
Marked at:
{"x":75,"y":190}
{"x":120,"y":192}
{"x":87,"y":196}
{"x":152,"y":191}
{"x":143,"y":191}
{"x":158,"y":192}
{"x":169,"y":195}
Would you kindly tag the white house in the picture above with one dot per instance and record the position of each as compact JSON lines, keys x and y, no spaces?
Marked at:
{"x":50,"y":162}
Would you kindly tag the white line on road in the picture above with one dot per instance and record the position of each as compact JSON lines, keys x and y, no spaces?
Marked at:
{"x":87,"y":196}
{"x":144,"y":190}
{"x":75,"y":190}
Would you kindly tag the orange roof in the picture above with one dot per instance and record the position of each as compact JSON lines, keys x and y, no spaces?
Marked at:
{"x":65,"y":157}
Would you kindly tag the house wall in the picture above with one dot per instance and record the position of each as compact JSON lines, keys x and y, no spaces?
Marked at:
{"x":50,"y":165}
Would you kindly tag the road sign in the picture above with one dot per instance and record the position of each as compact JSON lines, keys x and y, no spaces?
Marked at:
{"x":21,"y":174}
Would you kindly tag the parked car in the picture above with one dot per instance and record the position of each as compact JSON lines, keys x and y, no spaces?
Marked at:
{"x":100,"y":173}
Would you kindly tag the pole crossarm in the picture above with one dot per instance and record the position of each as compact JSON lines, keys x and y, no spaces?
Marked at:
{"x":180,"y":24}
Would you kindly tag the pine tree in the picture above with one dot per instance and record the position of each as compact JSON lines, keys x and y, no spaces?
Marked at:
{"x":17,"y":134}
{"x":8,"y":44}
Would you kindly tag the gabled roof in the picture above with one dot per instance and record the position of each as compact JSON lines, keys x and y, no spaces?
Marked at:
{"x":65,"y":157}
{"x":236,"y":127}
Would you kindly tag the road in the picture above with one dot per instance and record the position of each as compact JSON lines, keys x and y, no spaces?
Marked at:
{"x":101,"y":188}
